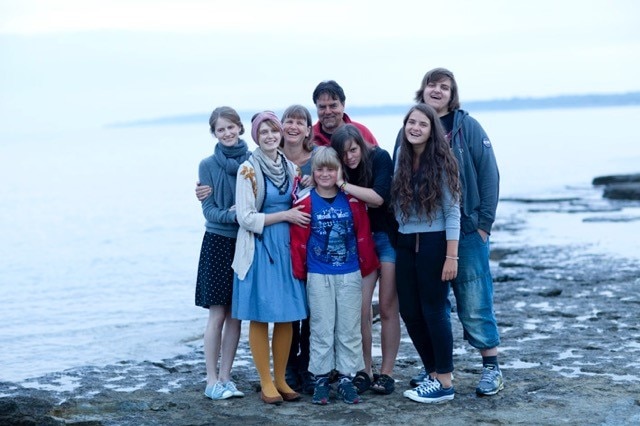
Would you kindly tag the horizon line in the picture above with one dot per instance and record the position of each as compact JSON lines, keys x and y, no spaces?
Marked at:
{"x":514,"y":103}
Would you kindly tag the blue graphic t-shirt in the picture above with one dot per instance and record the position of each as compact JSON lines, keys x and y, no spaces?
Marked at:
{"x":332,"y":248}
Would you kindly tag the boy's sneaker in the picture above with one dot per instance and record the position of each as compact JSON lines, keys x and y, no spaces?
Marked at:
{"x":430,"y":392}
{"x":218,"y":391}
{"x":348,"y":391}
{"x":321,"y":391}
{"x":231,"y":387}
{"x":419,"y":378}
{"x":491,"y":380}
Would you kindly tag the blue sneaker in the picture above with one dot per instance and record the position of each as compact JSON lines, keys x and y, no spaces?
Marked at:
{"x":231,"y":387}
{"x":321,"y":391}
{"x":491,"y":380}
{"x":429,"y":392}
{"x":422,"y":377}
{"x":419,"y":378}
{"x":348,"y":391}
{"x":427,"y":379}
{"x":218,"y":391}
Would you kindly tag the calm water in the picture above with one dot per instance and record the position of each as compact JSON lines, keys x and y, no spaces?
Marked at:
{"x":100,"y":231}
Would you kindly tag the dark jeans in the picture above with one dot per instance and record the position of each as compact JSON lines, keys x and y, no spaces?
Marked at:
{"x":299,"y":353}
{"x":424,"y":298}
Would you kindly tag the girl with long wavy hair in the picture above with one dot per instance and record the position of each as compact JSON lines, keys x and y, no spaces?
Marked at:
{"x":426,"y":199}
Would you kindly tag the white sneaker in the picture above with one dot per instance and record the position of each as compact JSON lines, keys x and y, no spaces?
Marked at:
{"x":231,"y":387}
{"x":218,"y":391}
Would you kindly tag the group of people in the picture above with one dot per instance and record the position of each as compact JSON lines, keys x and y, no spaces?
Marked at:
{"x":300,"y":231}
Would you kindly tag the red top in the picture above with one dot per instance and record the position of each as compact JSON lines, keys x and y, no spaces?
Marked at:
{"x":321,"y":139}
{"x":367,"y":256}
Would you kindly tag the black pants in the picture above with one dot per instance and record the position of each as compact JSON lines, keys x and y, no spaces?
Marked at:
{"x":424,"y":298}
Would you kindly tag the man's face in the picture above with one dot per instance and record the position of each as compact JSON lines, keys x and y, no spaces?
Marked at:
{"x":438,"y":95}
{"x":330,"y":113}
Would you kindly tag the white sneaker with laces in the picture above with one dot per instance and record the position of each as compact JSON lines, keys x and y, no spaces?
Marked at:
{"x":231,"y":387}
{"x":217,"y":391}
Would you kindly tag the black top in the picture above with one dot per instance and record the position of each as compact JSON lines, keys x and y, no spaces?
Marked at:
{"x":381,"y":218}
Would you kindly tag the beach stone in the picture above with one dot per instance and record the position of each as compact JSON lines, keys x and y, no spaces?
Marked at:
{"x":612,"y":179}
{"x":25,"y":410}
{"x":622,"y":191}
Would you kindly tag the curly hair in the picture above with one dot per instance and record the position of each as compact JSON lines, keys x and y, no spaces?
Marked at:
{"x":420,"y":191}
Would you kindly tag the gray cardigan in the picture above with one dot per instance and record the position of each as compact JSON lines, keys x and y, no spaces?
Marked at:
{"x":216,"y":208}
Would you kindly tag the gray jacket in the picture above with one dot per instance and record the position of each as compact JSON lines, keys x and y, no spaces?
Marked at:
{"x":479,"y":174}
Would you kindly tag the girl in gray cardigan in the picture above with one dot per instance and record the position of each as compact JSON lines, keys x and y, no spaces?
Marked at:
{"x":215,"y":277}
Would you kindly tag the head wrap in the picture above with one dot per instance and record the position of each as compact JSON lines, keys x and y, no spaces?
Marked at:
{"x":261,"y":118}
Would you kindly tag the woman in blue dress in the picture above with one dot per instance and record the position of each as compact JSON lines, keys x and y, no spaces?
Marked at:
{"x":264,"y":289}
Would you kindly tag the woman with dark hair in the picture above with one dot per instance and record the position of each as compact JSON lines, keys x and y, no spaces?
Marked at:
{"x":264,"y":289}
{"x":360,"y":160}
{"x":426,"y":201}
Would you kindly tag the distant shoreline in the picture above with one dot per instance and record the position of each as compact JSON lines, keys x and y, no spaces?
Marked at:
{"x":512,"y":104}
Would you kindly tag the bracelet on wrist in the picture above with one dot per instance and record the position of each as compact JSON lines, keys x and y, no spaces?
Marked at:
{"x":342,"y":186}
{"x":452,"y":257}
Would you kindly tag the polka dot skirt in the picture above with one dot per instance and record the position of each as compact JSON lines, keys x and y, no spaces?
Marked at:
{"x":215,"y":276}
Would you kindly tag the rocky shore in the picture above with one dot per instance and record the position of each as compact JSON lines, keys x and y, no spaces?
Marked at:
{"x":620,"y":187}
{"x":570,"y":354}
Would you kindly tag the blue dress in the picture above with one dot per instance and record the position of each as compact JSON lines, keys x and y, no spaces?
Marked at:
{"x":269,"y":292}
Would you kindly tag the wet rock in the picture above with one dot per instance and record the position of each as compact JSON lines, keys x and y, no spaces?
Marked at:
{"x":620,"y":187}
{"x":540,"y":200}
{"x":554,"y":292}
{"x":613,"y":179}
{"x":25,"y":410}
{"x":622,"y":191}
{"x":613,"y":218}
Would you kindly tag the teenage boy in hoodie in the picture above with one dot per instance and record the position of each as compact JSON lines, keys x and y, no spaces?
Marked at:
{"x":473,"y":287}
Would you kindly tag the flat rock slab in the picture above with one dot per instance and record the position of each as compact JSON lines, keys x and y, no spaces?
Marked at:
{"x":622,"y":191}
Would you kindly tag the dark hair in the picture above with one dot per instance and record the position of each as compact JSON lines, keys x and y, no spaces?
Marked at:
{"x":331,"y":88}
{"x":341,"y":141}
{"x":436,"y":75}
{"x":298,"y":111}
{"x":421,"y":190}
{"x":227,"y":113}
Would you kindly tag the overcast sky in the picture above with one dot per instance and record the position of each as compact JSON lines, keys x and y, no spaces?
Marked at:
{"x":83,"y":63}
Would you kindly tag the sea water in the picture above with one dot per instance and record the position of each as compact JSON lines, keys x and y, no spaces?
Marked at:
{"x":100,"y":230}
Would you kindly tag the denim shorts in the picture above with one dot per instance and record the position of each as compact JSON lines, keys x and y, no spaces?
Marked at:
{"x":384,"y":249}
{"x":473,"y":288}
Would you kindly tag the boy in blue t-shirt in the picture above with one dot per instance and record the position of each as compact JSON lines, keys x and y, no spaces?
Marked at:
{"x":330,"y":254}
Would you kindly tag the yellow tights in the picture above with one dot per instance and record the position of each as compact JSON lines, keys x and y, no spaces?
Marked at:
{"x":281,"y":343}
